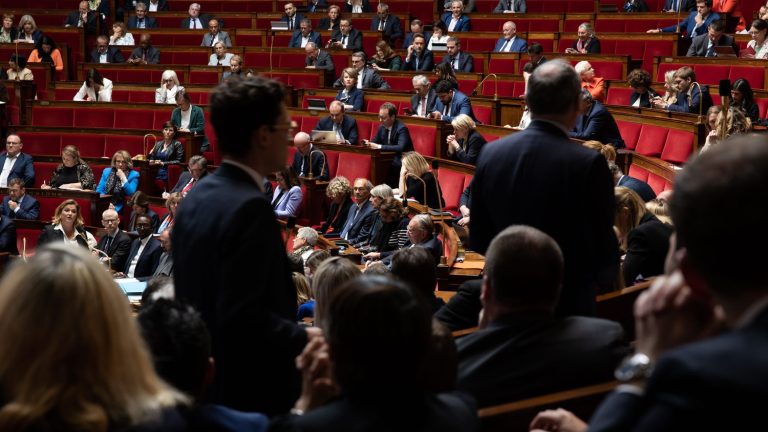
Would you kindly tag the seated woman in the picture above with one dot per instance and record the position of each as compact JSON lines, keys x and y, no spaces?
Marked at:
{"x":350,"y":95}
{"x":743,"y":97}
{"x":18,"y":70}
{"x":386,"y":59}
{"x":642,"y":237}
{"x":120,"y":35}
{"x":757,"y":48}
{"x":68,"y":227}
{"x":304,"y":242}
{"x":439,"y":34}
{"x":331,"y":275}
{"x":220,"y":57}
{"x":119,"y":181}
{"x":340,"y":192}
{"x":140,"y":205}
{"x":416,"y":179}
{"x":166,"y":152}
{"x":712,"y":113}
{"x":305,"y":301}
{"x":172,"y":204}
{"x":444,"y":71}
{"x":46,"y":52}
{"x":95,"y":88}
{"x":640,"y":81}
{"x":73,"y":172}
{"x":608,"y":151}
{"x":28,"y":31}
{"x":286,"y":199}
{"x":670,"y":91}
{"x":589,"y":81}
{"x":235,"y":68}
{"x":731,"y":122}
{"x":586,"y":43}
{"x":169,"y":87}
{"x":332,"y":21}
{"x":7,"y":30}
{"x":466,"y":142}
{"x":63,"y":294}
{"x":393,"y":233}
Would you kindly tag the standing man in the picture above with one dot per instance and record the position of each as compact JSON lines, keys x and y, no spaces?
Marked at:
{"x":388,"y":25}
{"x":116,"y":244}
{"x":14,"y":163}
{"x":306,"y":151}
{"x":424,"y":98}
{"x":459,"y":61}
{"x":240,"y":282}
{"x":195,"y":20}
{"x":419,"y":58}
{"x":317,"y":59}
{"x":19,"y":205}
{"x":392,"y":136}
{"x":510,"y":42}
{"x":141,"y":20}
{"x":568,"y":179}
{"x":215,"y":34}
{"x":304,"y":35}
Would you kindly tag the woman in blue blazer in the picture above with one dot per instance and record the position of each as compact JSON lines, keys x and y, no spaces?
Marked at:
{"x":350,"y":94}
{"x":119,"y":180}
{"x":286,"y":199}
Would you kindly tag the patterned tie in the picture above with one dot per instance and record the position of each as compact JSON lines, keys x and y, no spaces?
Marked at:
{"x":187,"y":188}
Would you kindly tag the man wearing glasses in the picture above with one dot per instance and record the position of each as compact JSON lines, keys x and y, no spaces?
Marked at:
{"x":196,"y":170}
{"x":16,"y":164}
{"x":115,"y":243}
{"x":19,"y":205}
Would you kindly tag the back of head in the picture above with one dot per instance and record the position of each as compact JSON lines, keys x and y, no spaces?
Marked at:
{"x":379,"y":334}
{"x":524,"y":267}
{"x":553,"y":88}
{"x":416,"y":266}
{"x":720,"y":216}
{"x":179,"y":342}
{"x":331,"y":274}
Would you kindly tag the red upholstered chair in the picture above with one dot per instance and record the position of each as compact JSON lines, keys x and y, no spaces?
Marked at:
{"x":755,"y":75}
{"x":132,"y":144}
{"x":332,"y":160}
{"x":501,"y":65}
{"x":43,"y":171}
{"x":547,"y":44}
{"x":630,"y":133}
{"x":174,"y":172}
{"x":762,"y":104}
{"x":353,"y":165}
{"x":372,"y":104}
{"x":366,"y":129}
{"x":204,"y":77}
{"x":678,"y":146}
{"x":543,"y":25}
{"x":482,"y":113}
{"x":401,"y":83}
{"x":122,"y":95}
{"x":452,"y":185}
{"x":308,"y":123}
{"x":256,"y":58}
{"x":89,"y":145}
{"x":30,"y":235}
{"x":656,"y":182}
{"x":711,"y":74}
{"x":618,"y":95}
{"x":651,"y":141}
{"x":134,"y":76}
{"x":656,"y":49}
{"x":50,"y":116}
{"x":40,"y":143}
{"x":142,"y":96}
{"x":161,"y":116}
{"x":133,"y":119}
{"x":608,"y":70}
{"x":289,"y":155}
{"x":302,"y":80}
{"x":296,"y":60}
{"x":612,"y":26}
{"x":93,"y":118}
{"x":423,"y":138}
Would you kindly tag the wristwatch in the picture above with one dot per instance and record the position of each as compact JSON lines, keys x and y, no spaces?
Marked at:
{"x":637,"y":367}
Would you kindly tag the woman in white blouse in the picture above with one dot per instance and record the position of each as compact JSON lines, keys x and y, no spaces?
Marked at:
{"x":169,"y":87}
{"x":120,"y":35}
{"x":758,"y":43}
{"x":95,"y":88}
{"x":439,"y":34}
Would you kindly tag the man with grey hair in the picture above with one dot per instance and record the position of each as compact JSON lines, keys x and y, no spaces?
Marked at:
{"x":141,"y":20}
{"x":568,"y":196}
{"x":378,"y":194}
{"x":424,"y":97}
{"x":116,"y":244}
{"x":197,"y":168}
{"x":215,"y":34}
{"x":318,"y":59}
{"x":360,"y":216}
{"x":367,"y":78}
{"x":596,"y":123}
{"x":304,"y":242}
{"x":195,"y":20}
{"x":388,"y":25}
{"x":306,"y":151}
{"x":420,"y":234}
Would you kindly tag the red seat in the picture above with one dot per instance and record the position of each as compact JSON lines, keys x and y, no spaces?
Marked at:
{"x":482,"y":113}
{"x":710,"y":74}
{"x":656,"y":182}
{"x":365,"y":130}
{"x":93,"y":118}
{"x":44,"y":172}
{"x":39,"y":143}
{"x":452,"y":185}
{"x":423,"y":138}
{"x":353,"y":165}
{"x":755,"y":75}
{"x":88,"y":144}
{"x":49,"y":116}
{"x":133,"y":119}
{"x":678,"y":146}
{"x":651,"y":141}
{"x":332,"y":159}
{"x":131,"y":144}
{"x":630,"y":133}
{"x":618,"y":96}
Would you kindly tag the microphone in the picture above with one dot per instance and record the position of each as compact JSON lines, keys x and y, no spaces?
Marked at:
{"x":424,"y":185}
{"x":146,"y":152}
{"x":495,"y":87}
{"x":435,"y":167}
{"x":701,"y":99}
{"x":105,"y":258}
{"x":322,"y":169}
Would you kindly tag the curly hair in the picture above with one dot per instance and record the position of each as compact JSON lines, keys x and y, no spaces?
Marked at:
{"x":338,"y":186}
{"x":639,"y":78}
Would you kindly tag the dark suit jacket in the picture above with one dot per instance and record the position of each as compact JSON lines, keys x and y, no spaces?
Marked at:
{"x":153,"y":54}
{"x":470,"y":148}
{"x":505,"y":191}
{"x":525,"y":355}
{"x":296,"y":39}
{"x":148,"y":260}
{"x":203,"y":21}
{"x":682,"y":104}
{"x":312,"y":7}
{"x":325,"y":24}
{"x":520,"y":6}
{"x":399,"y":141}
{"x":592,"y":47}
{"x":460,"y":104}
{"x":51,"y":235}
{"x":642,"y":188}
{"x":149,"y":23}
{"x":645,"y":98}
{"x":393,"y":31}
{"x":408,"y":40}
{"x":464,"y":24}
{"x":598,"y":124}
{"x":90,"y":25}
{"x":463,"y":309}
{"x":431,"y":99}
{"x":415,"y":189}
{"x":231,"y":220}
{"x":466,"y":62}
{"x":366,"y":7}
{"x":715,"y":384}
{"x":354,"y":39}
{"x":426,"y":61}
{"x":337,"y":215}
{"x":318,"y":163}
{"x":29,"y":209}
{"x":688,"y":25}
{"x":348,"y":128}
{"x":700,"y":43}
{"x":223,"y":38}
{"x":687,"y":5}
{"x":113,"y":56}
{"x":296,"y":21}
{"x":359,"y":228}
{"x":354,"y":98}
{"x":184,"y":178}
{"x":117,"y":249}
{"x":23,"y":169}
{"x":8,"y":236}
{"x":323,"y":61}
{"x":519,"y":45}
{"x":647,"y":247}
{"x":433,"y":245}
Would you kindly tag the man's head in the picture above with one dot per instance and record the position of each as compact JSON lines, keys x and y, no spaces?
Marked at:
{"x":301,"y":142}
{"x":444,"y":91}
{"x":553,"y":92}
{"x":251,"y":122}
{"x":387,"y":114}
{"x":585,"y":101}
{"x":143,"y":226}
{"x":416,"y":26}
{"x":165,"y":239}
{"x":684,"y":77}
{"x":703,"y":7}
{"x":715,"y":31}
{"x":145,"y":41}
{"x":194,"y":10}
{"x":345,"y":25}
{"x":523,"y":272}
{"x":509,"y":29}
{"x":420,"y":229}
{"x":213,"y":26}
{"x":453,"y":45}
{"x":382,"y":10}
{"x":358,"y":60}
{"x":534,"y":51}
{"x":13,"y":145}
{"x":16,"y":189}
{"x":82,"y":7}
{"x":311,"y":50}
{"x":180,"y":345}
{"x":198,"y":166}
{"x":416,"y":267}
{"x":141,"y":10}
{"x":305,"y":236}
{"x":457,"y":7}
{"x":420,"y":85}
{"x":419,"y":43}
{"x":306,"y":27}
{"x":290,"y":9}
{"x":110,"y":220}
{"x":336,"y":111}
{"x":361,"y":190}
{"x":102,"y":44}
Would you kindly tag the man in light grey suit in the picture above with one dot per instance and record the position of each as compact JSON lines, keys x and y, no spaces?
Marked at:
{"x":317,"y":59}
{"x":216,"y":35}
{"x":511,"y":6}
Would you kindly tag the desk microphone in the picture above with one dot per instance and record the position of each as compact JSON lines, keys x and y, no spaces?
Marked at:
{"x":495,"y":87}
{"x":322,"y":169}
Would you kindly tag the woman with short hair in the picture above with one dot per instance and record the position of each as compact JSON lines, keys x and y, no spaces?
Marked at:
{"x":169,"y":87}
{"x":7,"y":30}
{"x":339,"y":191}
{"x":167,"y":151}
{"x":640,"y":81}
{"x":73,"y":172}
{"x":350,"y":95}
{"x":120,"y":35}
{"x":119,"y":180}
{"x":466,"y":142}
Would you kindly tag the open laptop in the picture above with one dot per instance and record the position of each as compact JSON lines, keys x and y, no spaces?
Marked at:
{"x":439,"y":46}
{"x":278,"y":25}
{"x":316,"y":104}
{"x":322,"y":136}
{"x":725,"y":51}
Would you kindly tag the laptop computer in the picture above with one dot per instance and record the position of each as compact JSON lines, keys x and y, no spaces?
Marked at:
{"x":439,"y":46}
{"x":322,"y":136}
{"x":278,"y":25}
{"x":316,"y":104}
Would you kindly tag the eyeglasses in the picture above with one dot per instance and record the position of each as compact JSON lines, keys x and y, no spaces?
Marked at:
{"x":109,"y":221}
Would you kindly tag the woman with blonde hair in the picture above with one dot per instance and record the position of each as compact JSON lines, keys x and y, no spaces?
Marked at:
{"x":120,"y":35}
{"x":169,"y":87}
{"x":660,"y":208}
{"x":28,"y":31}
{"x":119,"y":180}
{"x":416,"y":179}
{"x":731,"y":122}
{"x":303,"y":291}
{"x":332,"y":274}
{"x":73,"y":172}
{"x":73,"y":358}
{"x":172,"y":204}
{"x":642,"y":237}
{"x":466,"y":142}
{"x":670,"y":88}
{"x":67,"y":226}
{"x":608,"y":151}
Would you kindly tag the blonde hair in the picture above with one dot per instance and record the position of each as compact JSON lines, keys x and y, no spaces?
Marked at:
{"x":338,"y":186}
{"x":351,"y":72}
{"x":330,"y":276}
{"x":415,"y":163}
{"x":126,"y":156}
{"x":303,"y":292}
{"x":174,"y":197}
{"x":72,"y":357}
{"x":608,"y":151}
{"x":171,"y":75}
{"x":27,"y":19}
{"x":72,"y":152}
{"x":629,"y":200}
{"x":464,"y":122}
{"x":79,"y":222}
{"x":660,"y":208}
{"x":121,"y":25}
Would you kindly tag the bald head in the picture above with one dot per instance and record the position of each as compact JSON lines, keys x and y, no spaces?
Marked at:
{"x":301,"y":142}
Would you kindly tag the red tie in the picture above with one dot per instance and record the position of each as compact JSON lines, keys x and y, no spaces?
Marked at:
{"x":186,"y":189}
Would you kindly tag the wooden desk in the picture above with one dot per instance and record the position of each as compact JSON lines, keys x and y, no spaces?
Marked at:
{"x":315,"y":202}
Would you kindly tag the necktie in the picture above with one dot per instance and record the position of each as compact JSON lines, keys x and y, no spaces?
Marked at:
{"x":511,"y":5}
{"x":504,"y":47}
{"x":455,"y":63}
{"x":141,"y":23}
{"x":197,"y":24}
{"x":447,"y":110}
{"x":710,"y":50}
{"x":186,"y":189}
{"x":389,"y":136}
{"x":417,"y":62}
{"x":381,"y":25}
{"x":290,"y":23}
{"x":424,"y":107}
{"x":108,"y":244}
{"x":344,"y":41}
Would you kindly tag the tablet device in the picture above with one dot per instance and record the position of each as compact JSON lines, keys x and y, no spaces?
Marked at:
{"x":316,"y":104}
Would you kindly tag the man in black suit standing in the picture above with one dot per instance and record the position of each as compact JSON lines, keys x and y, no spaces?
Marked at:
{"x":141,"y":20}
{"x":595,"y":122}
{"x":424,"y":98}
{"x":239,"y":280}
{"x":392,"y":136}
{"x":569,"y":195}
{"x":115,"y":243}
{"x":704,"y":45}
{"x":105,"y":53}
{"x":521,"y":349}
{"x":419,"y":58}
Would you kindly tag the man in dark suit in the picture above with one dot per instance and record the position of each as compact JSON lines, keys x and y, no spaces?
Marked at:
{"x":316,"y":5}
{"x":195,"y":20}
{"x":420,"y":234}
{"x":360,"y":216}
{"x":463,"y":309}
{"x":535,"y":51}
{"x":301,"y":159}
{"x":450,"y":102}
{"x":165,"y":263}
{"x":141,"y":20}
{"x":197,"y":168}
{"x":694,"y":24}
{"x":367,"y":77}
{"x":682,"y":5}
{"x":83,"y":17}
{"x":419,"y":58}
{"x":416,"y":27}
{"x":14,"y":163}
{"x":596,"y":123}
{"x":392,"y":136}
{"x":145,"y":250}
{"x":459,"y":61}
{"x":347,"y":37}
{"x":505,"y":191}
{"x":145,"y":53}
{"x":344,"y":125}
{"x":511,"y":6}
{"x":388,"y":25}
{"x":8,"y":236}
{"x":690,"y":98}
{"x":215,"y":35}
{"x":319,"y":59}
{"x":424,"y":98}
{"x":704,"y":45}
{"x":255,"y":338}
{"x":640,"y":187}
{"x":115,"y":243}
{"x":105,"y":53}
{"x":304,"y":34}
{"x":521,"y":349}
{"x":510,"y":42}
{"x":462,"y":22}
{"x":292,"y":17}
{"x":19,"y":205}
